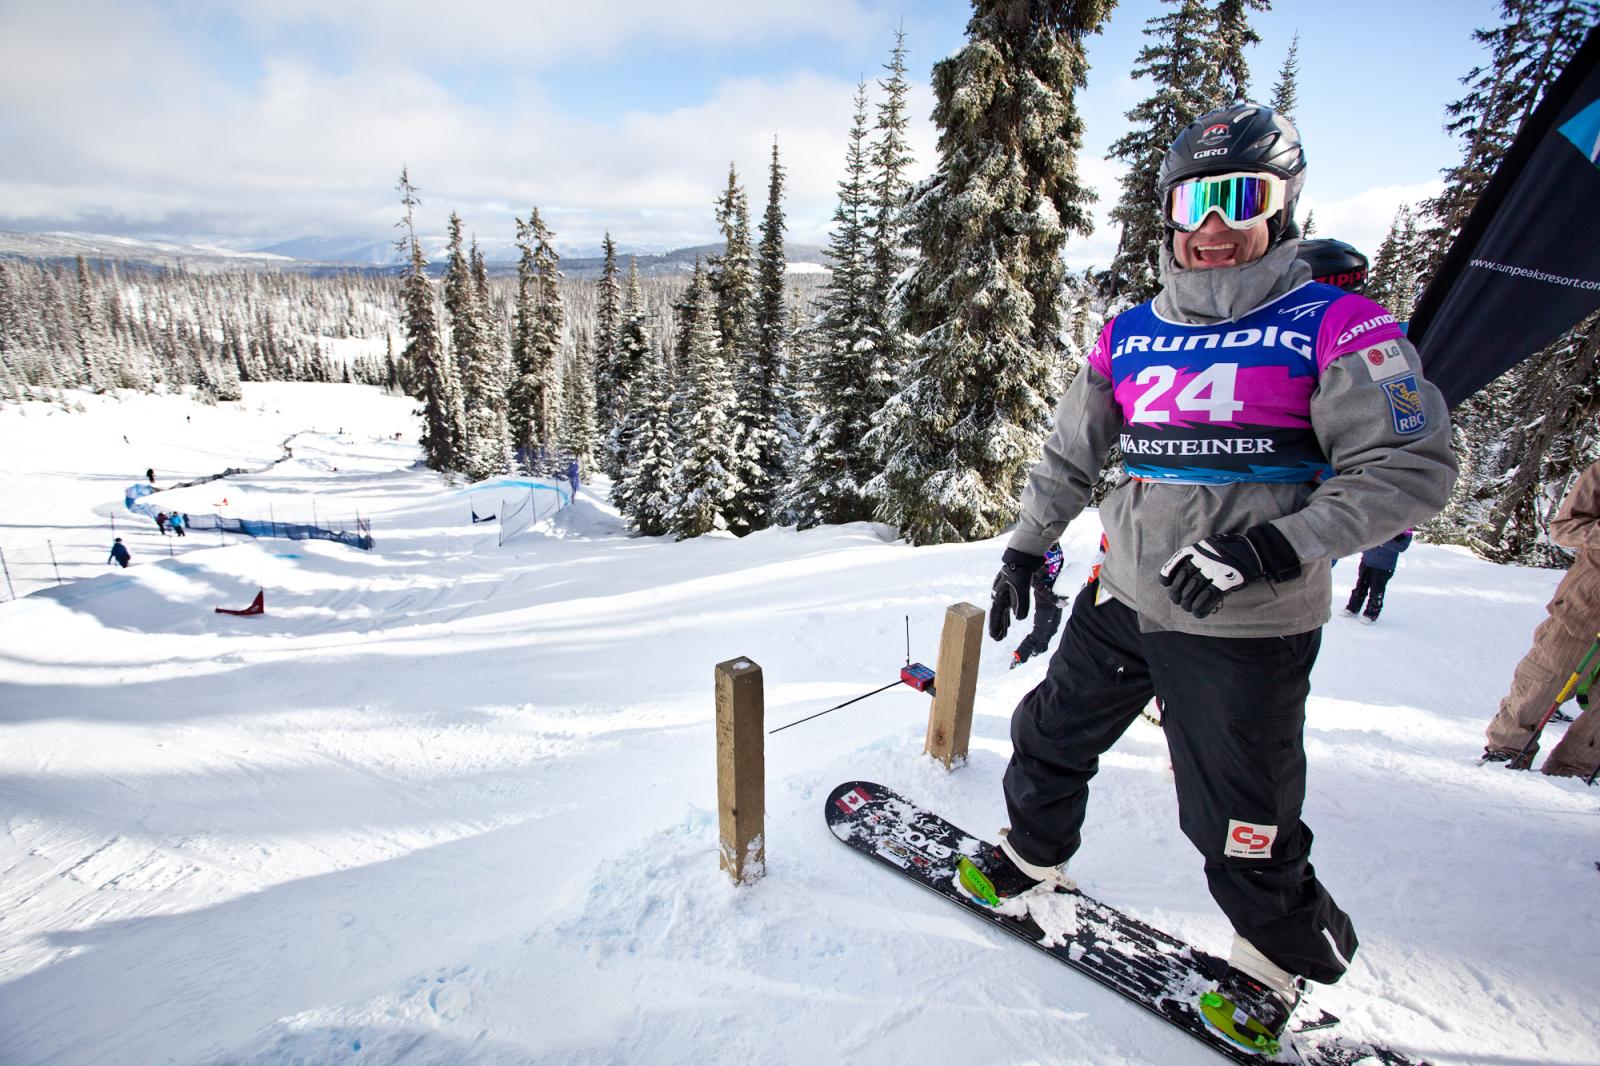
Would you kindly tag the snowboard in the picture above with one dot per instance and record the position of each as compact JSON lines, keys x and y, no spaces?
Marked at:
{"x":1139,"y":962}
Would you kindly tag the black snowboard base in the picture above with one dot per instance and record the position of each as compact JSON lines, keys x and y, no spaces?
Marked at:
{"x":1160,"y":973}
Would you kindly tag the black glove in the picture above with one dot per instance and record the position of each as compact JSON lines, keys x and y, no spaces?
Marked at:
{"x":1199,"y":576}
{"x":1011,"y":590}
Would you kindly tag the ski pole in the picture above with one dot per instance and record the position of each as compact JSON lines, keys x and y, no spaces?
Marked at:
{"x":1561,"y":697}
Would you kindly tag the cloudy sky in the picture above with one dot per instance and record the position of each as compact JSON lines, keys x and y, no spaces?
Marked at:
{"x":254,"y":121}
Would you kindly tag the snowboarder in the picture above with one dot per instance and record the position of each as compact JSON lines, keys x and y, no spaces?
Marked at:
{"x":150,"y":474}
{"x":119,"y":552}
{"x":1558,"y":645}
{"x":1372,"y":576}
{"x":1047,"y":610}
{"x":177,"y":522}
{"x":161,"y":522}
{"x":1266,"y":423}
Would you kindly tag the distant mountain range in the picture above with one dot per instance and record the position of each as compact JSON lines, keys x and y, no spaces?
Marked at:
{"x":322,"y":255}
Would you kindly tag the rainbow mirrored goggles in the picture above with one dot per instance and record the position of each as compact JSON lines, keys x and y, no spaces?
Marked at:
{"x":1241,"y":199}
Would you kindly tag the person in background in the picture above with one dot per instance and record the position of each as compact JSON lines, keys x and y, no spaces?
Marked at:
{"x":177,"y":522}
{"x":1372,"y":577}
{"x":150,"y":474}
{"x":1334,"y":263}
{"x":1559,"y":645}
{"x":161,"y":522}
{"x":119,"y":552}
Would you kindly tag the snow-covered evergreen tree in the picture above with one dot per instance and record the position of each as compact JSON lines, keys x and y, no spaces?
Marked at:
{"x":761,"y":414}
{"x":1228,"y":80}
{"x":540,"y":323}
{"x":486,"y":379}
{"x":609,"y":399}
{"x":1393,"y":279}
{"x":430,"y":369}
{"x":984,"y":300}
{"x":577,"y":403}
{"x":704,"y":482}
{"x":1527,"y":51}
{"x":1286,"y":93}
{"x":1310,"y":226}
{"x":645,"y":495}
{"x":1178,"y":61}
{"x":891,"y":161}
{"x":834,"y":463}
{"x":461,"y":306}
{"x":1522,"y":436}
{"x":730,"y":275}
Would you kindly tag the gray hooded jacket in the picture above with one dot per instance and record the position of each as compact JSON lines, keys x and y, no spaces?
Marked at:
{"x":1383,"y":481}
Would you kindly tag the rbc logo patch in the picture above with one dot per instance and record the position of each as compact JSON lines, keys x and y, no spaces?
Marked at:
{"x":1405,"y":403}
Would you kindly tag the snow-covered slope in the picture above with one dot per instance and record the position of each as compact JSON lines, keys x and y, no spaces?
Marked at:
{"x":451,"y":802}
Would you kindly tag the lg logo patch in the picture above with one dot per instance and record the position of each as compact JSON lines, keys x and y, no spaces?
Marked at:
{"x":1246,"y":840}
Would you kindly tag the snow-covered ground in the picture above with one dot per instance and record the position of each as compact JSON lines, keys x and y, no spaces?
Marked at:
{"x":450,"y":802}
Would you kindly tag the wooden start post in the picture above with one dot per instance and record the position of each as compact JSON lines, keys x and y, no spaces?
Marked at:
{"x":741,"y":770}
{"x":956,"y":685}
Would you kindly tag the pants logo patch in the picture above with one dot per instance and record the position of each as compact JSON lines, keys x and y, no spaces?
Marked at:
{"x":1247,"y":840}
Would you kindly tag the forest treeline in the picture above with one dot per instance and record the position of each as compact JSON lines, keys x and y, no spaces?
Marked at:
{"x":915,"y":382}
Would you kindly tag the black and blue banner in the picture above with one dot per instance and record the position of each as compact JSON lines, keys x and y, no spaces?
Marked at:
{"x":1526,"y":266}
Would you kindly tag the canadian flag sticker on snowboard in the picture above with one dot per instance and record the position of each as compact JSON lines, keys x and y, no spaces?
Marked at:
{"x":853,"y":801}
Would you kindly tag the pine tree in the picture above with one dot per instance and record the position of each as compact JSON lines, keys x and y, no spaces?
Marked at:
{"x":461,"y":305}
{"x":704,"y":484}
{"x":423,"y":351}
{"x":984,"y":300}
{"x":730,"y":273}
{"x":609,"y":398}
{"x":833,"y":463}
{"x":485,"y":382}
{"x":90,"y":342}
{"x":1286,"y":93}
{"x":1311,"y":224}
{"x":1521,"y":436}
{"x":1394,"y":277}
{"x":1178,"y":61}
{"x":548,"y":331}
{"x":763,"y":428}
{"x":633,"y":338}
{"x":1526,"y":53}
{"x":1228,"y":80}
{"x":577,"y":403}
{"x":891,"y":160}
{"x":645,"y":495}
{"x":523,"y":390}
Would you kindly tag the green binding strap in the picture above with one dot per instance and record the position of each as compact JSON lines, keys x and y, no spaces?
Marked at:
{"x":974,"y":881}
{"x":1236,"y":1025}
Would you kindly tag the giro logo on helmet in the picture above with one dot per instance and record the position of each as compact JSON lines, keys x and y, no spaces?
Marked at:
{"x":1210,"y":152}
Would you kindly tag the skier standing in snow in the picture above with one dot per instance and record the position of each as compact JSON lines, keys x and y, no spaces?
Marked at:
{"x":177,"y":522}
{"x":161,"y":522}
{"x":1372,"y":577}
{"x":120,"y":553}
{"x":1267,"y":424}
{"x":1559,"y":645}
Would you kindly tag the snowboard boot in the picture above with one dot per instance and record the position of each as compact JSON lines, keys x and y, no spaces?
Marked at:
{"x":1249,"y":1013}
{"x":1513,"y":760}
{"x":997,"y":875}
{"x":1369,"y":619}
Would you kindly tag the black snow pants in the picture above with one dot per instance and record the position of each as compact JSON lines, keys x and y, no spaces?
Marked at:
{"x":1233,"y":710}
{"x":1370,"y":583}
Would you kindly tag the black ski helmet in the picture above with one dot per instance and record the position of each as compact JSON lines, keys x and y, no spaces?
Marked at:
{"x":1246,"y":137}
{"x":1335,"y":263}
